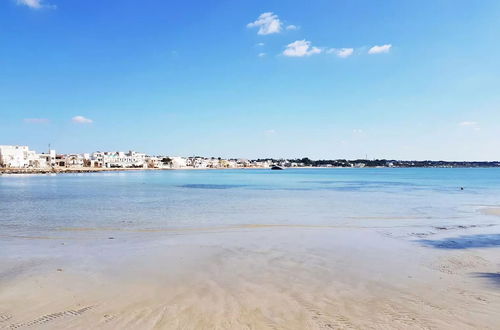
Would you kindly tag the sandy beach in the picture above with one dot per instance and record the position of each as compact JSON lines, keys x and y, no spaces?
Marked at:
{"x":250,"y":278}
{"x":491,"y":211}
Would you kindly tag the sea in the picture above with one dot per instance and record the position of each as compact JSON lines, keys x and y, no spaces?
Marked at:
{"x":412,"y":199}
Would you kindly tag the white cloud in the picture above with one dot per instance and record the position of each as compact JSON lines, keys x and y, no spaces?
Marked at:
{"x":300,"y":48}
{"x":268,"y":23}
{"x":357,"y":131}
{"x":81,"y":120}
{"x":380,"y":49}
{"x":470,"y":124}
{"x":34,"y":4}
{"x":341,"y":52}
{"x":292,"y":27}
{"x":270,"y":132}
{"x":260,"y":44}
{"x":261,"y":54}
{"x":36,"y":120}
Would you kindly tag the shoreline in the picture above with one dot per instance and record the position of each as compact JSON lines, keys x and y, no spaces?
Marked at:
{"x":30,"y":171}
{"x":16,"y":171}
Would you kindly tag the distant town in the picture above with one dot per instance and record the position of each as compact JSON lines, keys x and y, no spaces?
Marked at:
{"x":21,"y":159}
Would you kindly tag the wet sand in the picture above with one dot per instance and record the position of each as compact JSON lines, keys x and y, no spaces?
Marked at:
{"x":491,"y":211}
{"x":252,"y":277}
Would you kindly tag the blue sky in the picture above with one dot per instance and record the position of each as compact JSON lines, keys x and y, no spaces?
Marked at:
{"x":323,"y":79}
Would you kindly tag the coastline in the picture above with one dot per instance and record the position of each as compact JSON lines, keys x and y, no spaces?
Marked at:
{"x":61,"y":170}
{"x":38,"y":171}
{"x":30,"y":171}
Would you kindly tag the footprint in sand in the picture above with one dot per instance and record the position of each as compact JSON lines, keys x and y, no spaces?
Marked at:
{"x":51,"y":317}
{"x":109,"y":318}
{"x":4,"y":318}
{"x":324,"y":321}
{"x":407,"y":319}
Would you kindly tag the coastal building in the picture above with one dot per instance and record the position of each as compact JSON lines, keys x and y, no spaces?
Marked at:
{"x":13,"y":157}
{"x":118,"y":159}
{"x":213,"y":163}
{"x":23,"y":157}
{"x":178,"y":162}
{"x":241,"y":162}
{"x":16,"y":156}
{"x":158,"y":162}
{"x":46,"y":160}
{"x":73,"y":160}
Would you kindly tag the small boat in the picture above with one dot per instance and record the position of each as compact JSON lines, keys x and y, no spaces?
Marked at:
{"x":276,"y":167}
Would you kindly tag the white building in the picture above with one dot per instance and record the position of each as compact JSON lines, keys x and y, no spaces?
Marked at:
{"x":16,"y":156}
{"x":119,"y":159}
{"x":47,"y":160}
{"x":178,"y":162}
{"x":22,"y":157}
{"x":73,"y":160}
{"x":154,"y":162}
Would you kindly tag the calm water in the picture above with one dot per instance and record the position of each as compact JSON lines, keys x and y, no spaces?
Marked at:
{"x":157,"y":200}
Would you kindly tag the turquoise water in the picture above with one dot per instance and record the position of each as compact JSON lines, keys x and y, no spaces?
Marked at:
{"x":159,"y":200}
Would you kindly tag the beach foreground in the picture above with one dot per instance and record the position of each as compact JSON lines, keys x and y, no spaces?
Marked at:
{"x":263,"y":277}
{"x":362,"y":269}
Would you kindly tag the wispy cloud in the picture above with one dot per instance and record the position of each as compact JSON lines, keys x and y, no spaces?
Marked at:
{"x":270,"y":132}
{"x":470,"y":124}
{"x":357,"y":131}
{"x":35,"y":4}
{"x":81,"y":120}
{"x":260,"y":44}
{"x":380,"y":49}
{"x":36,"y":120}
{"x":341,"y":52}
{"x":268,"y":23}
{"x":292,"y":27}
{"x":261,"y":54}
{"x":300,"y":48}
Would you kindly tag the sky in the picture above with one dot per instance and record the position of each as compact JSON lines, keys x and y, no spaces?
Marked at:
{"x":323,"y":79}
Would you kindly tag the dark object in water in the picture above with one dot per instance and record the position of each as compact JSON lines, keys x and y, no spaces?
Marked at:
{"x":461,"y":188}
{"x":276,"y":167}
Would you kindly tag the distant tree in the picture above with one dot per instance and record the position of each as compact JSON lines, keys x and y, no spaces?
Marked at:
{"x":306,"y":161}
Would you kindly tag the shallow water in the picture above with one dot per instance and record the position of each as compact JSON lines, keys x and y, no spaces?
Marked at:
{"x":162,"y":200}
